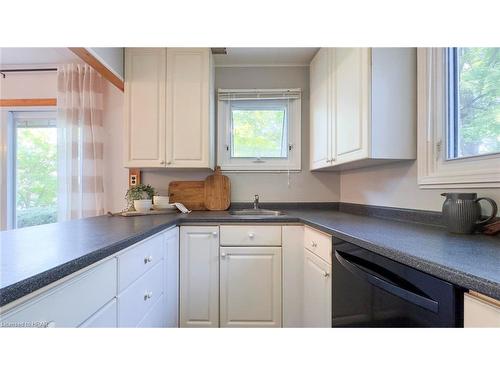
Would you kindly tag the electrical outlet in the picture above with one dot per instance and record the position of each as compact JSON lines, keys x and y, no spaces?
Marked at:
{"x":133,"y":180}
{"x":134,"y":177}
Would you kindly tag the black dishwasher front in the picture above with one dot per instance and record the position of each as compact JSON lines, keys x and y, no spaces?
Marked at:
{"x":370,"y":290}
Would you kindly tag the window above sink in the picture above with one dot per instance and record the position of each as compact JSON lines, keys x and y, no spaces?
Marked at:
{"x":259,"y":130}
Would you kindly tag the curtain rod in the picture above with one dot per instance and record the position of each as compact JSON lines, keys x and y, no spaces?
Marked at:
{"x":3,"y":71}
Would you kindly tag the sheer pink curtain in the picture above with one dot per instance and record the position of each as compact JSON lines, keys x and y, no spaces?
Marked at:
{"x":80,"y":142}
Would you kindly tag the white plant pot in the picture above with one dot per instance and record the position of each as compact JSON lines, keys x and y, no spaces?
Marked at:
{"x":143,"y":205}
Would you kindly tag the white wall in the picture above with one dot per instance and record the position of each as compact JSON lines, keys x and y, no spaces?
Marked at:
{"x":115,"y":175}
{"x":272,"y":187}
{"x":28,"y":85}
{"x":112,"y":58}
{"x":395,"y":185}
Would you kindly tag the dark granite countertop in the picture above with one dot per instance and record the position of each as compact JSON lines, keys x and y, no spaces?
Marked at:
{"x":32,"y":258}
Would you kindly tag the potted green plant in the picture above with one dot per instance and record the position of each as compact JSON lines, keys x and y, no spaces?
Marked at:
{"x":139,"y":198}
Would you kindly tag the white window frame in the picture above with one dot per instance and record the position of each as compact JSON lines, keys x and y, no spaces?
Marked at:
{"x":435,"y":171}
{"x":291,"y":98}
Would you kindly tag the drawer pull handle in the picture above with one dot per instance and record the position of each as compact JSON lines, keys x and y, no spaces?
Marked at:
{"x":314,"y":244}
{"x":148,"y":259}
{"x":326,"y":274}
{"x":148,"y":295}
{"x":251,"y":235}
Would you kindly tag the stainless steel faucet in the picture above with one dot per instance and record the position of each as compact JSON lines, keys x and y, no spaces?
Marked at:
{"x":256,"y":202}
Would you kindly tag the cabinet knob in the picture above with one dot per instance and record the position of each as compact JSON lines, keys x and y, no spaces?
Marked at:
{"x":251,"y":235}
{"x":222,"y":255}
{"x":148,"y":259}
{"x":51,"y":324}
{"x":326,"y":274}
{"x":314,"y":244}
{"x":162,"y":162}
{"x":169,"y":162}
{"x":148,"y":295}
{"x":214,"y":234}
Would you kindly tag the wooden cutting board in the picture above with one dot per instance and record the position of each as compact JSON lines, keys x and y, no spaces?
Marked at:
{"x":190,"y":193}
{"x":217,"y":191}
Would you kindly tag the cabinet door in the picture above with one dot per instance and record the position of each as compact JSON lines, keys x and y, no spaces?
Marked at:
{"x":199,"y":276}
{"x":145,"y":77}
{"x":320,"y":124}
{"x":189,"y":124}
{"x":317,"y":292}
{"x":481,"y":311}
{"x":352,"y":94}
{"x":172,"y":277}
{"x":250,"y":286}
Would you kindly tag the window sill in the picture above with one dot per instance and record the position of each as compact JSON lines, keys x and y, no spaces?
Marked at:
{"x":233,"y":169}
{"x":465,"y":180}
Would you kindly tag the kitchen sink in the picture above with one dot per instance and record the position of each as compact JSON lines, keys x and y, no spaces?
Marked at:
{"x":255,"y":212}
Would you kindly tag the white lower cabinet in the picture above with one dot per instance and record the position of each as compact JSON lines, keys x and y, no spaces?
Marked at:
{"x":137,"y":287}
{"x":481,"y":311}
{"x":250,"y":286}
{"x":155,"y":317}
{"x":135,"y":301}
{"x":199,"y":276}
{"x":317,"y":297}
{"x":148,"y":289}
{"x":171,"y":298}
{"x":292,"y":271}
{"x":68,"y":304}
{"x":104,"y":318}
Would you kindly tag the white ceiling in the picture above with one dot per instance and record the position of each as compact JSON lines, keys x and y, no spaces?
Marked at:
{"x":36,"y":56}
{"x":266,"y":56}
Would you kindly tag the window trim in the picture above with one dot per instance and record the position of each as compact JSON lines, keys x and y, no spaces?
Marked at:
{"x":224,"y":139}
{"x":435,"y":171}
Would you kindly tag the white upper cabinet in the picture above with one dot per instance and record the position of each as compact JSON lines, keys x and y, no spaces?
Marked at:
{"x":169,"y":119}
{"x":367,"y":114}
{"x":351,"y":116}
{"x":145,"y":84}
{"x":190,"y":121}
{"x":320,"y":111}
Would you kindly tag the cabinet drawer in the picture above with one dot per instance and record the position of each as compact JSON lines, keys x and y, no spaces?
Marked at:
{"x":138,"y":260}
{"x":481,"y":312}
{"x":318,"y":243}
{"x":250,"y":235}
{"x":70,"y":303}
{"x":104,"y":318}
{"x":154,"y":318}
{"x":135,"y":301}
